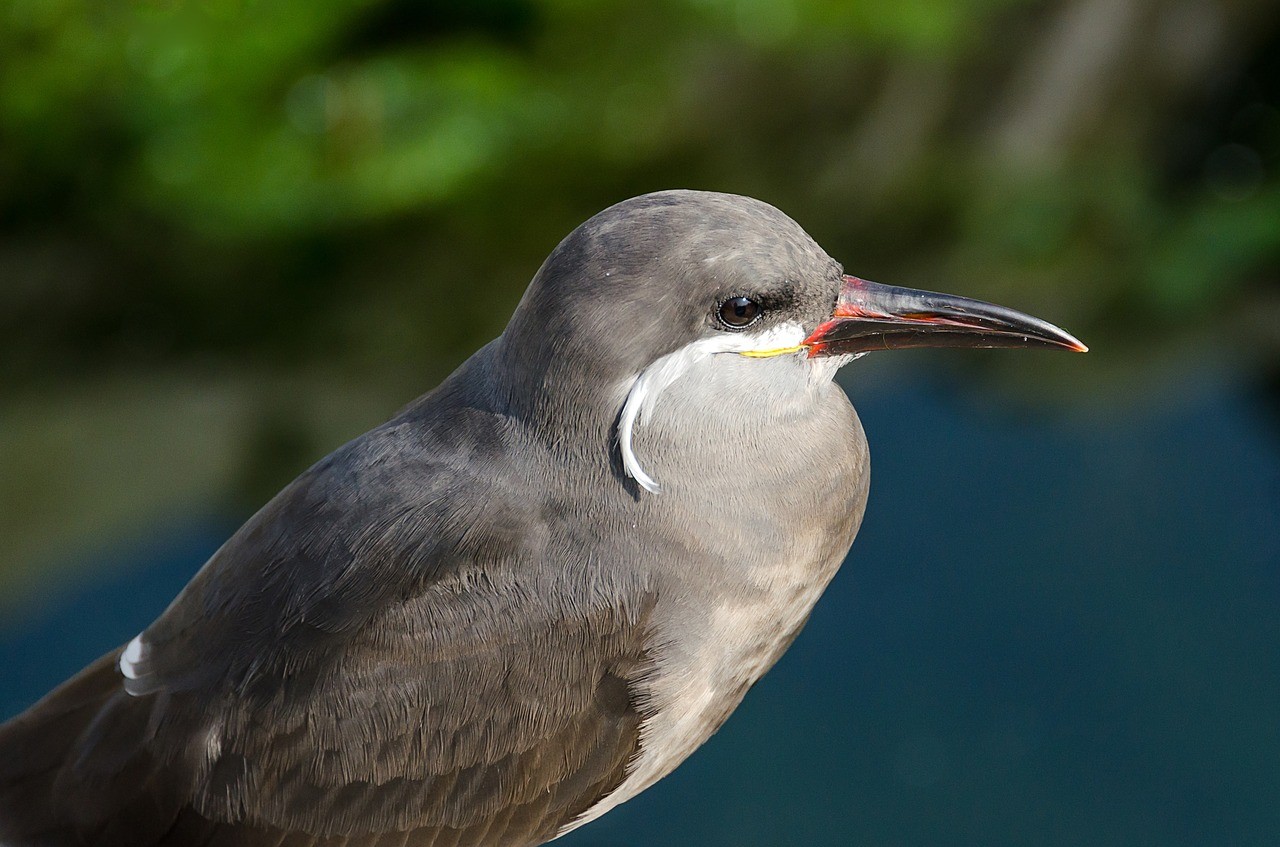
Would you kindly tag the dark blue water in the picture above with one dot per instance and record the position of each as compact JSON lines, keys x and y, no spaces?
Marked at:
{"x":1049,"y":632}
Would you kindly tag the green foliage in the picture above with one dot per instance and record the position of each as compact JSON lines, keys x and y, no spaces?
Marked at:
{"x":363,"y":188}
{"x":195,"y":145}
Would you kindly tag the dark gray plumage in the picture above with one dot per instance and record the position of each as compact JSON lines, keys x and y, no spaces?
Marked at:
{"x":474,"y":625}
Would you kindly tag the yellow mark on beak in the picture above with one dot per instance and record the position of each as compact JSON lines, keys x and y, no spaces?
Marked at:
{"x":767,"y":354}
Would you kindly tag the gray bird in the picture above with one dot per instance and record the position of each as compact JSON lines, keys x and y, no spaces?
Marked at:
{"x":533,"y":592}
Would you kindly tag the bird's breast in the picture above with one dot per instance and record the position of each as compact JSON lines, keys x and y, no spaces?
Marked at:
{"x":751,"y":525}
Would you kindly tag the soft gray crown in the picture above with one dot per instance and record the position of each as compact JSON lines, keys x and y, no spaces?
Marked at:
{"x":644,"y":277}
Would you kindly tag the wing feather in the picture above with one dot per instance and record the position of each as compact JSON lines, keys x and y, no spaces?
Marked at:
{"x":391,"y":651}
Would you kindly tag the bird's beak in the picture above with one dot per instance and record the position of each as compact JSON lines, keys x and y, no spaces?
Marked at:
{"x":871,"y":316}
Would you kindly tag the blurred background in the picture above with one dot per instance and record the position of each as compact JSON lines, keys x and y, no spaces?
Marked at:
{"x":234,"y":235}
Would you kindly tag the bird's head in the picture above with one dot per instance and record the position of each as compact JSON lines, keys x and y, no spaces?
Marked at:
{"x":640,"y":293}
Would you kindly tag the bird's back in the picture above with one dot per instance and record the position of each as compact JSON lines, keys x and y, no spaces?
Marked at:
{"x":388,"y":653}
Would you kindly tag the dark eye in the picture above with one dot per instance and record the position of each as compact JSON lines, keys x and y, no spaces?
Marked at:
{"x":739,"y":312}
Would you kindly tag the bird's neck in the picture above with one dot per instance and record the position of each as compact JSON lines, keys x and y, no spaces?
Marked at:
{"x":565,"y":399}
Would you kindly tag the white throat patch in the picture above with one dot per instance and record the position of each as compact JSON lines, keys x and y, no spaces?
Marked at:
{"x":649,"y":383}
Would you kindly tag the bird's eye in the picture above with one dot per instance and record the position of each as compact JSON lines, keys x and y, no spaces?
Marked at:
{"x":739,"y":312}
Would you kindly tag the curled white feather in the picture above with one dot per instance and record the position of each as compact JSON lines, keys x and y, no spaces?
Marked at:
{"x":647,"y":385}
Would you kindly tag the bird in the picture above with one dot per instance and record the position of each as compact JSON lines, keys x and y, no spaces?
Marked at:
{"x":530,"y":594}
